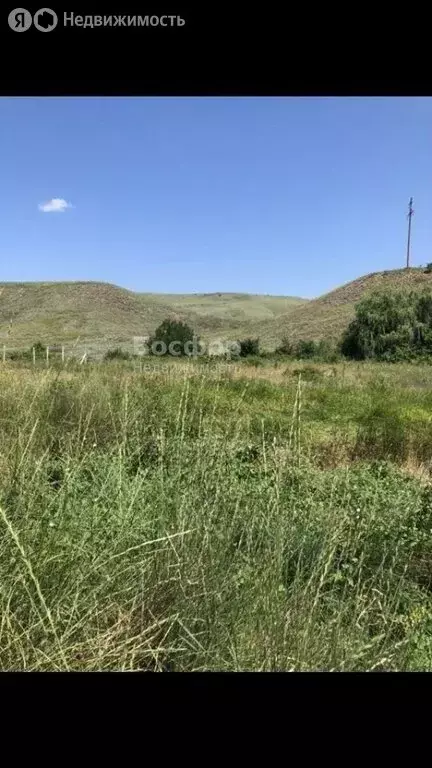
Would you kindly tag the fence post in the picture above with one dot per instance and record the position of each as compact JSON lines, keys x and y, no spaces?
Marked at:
{"x":34,"y":355}
{"x":47,"y":356}
{"x":63,"y":354}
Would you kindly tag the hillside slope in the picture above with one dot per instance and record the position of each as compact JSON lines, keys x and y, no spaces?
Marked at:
{"x":234,"y":307}
{"x":328,"y":316}
{"x":61,"y":312}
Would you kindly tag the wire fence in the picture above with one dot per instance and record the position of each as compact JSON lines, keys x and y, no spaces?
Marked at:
{"x":92,"y":350}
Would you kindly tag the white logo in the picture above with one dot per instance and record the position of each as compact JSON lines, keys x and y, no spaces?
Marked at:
{"x":20,"y":20}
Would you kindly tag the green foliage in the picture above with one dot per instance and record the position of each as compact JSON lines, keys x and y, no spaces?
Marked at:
{"x":323,"y":351}
{"x":305,"y":349}
{"x":170,"y":331}
{"x":39,"y":348}
{"x":428,"y":268}
{"x":327,"y":352}
{"x":390,"y":326}
{"x":249,"y":347}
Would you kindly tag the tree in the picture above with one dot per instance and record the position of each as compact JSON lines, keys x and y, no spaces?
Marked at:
{"x":390,"y":326}
{"x":173,"y":337}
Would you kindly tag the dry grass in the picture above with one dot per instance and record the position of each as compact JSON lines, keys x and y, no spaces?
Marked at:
{"x":328,"y":316}
{"x":104,"y":314}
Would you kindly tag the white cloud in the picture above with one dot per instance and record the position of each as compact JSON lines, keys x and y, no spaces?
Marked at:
{"x":57,"y":204}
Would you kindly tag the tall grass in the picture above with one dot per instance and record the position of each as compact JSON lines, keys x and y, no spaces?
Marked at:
{"x":181,"y":520}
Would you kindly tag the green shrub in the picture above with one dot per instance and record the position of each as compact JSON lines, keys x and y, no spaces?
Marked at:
{"x":305,"y":349}
{"x":249,"y":347}
{"x":172,"y":331}
{"x":39,"y":348}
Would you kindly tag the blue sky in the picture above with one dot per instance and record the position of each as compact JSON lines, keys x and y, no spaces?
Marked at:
{"x":289,"y":196}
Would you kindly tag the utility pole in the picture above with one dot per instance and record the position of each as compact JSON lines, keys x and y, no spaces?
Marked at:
{"x":410,"y":213}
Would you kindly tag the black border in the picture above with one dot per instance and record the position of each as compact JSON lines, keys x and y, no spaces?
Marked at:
{"x":223,"y":51}
{"x":219,"y":52}
{"x":214,"y":716}
{"x":301,"y":691}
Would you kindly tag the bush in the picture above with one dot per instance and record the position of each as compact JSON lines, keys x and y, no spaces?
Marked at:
{"x":249,"y":347}
{"x":327,"y":352}
{"x":305,"y":349}
{"x":39,"y":348}
{"x":323,"y":351}
{"x":172,"y":331}
{"x":428,"y":267}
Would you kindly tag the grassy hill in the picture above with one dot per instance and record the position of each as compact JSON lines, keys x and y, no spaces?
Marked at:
{"x":103,"y":314}
{"x":327,"y":316}
{"x":231,"y":307}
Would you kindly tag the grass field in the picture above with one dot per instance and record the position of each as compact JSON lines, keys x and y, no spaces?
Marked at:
{"x":216,"y":516}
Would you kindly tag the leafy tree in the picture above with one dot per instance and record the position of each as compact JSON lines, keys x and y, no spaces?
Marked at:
{"x":173,"y":336}
{"x":390,"y":326}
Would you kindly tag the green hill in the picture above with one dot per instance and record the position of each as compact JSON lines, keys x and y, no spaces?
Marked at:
{"x":103,"y":314}
{"x":328,"y":316}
